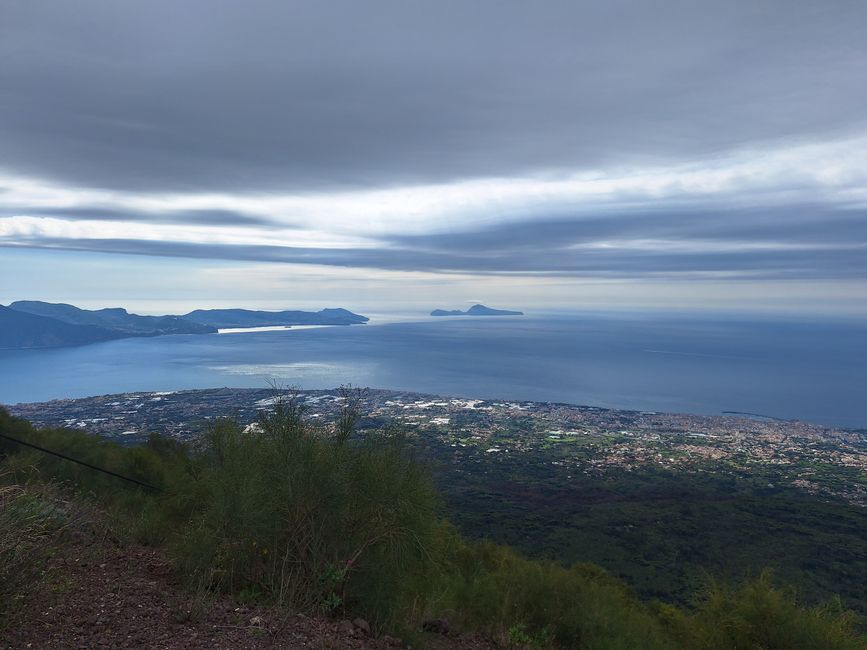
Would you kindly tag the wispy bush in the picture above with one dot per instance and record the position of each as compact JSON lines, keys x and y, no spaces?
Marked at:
{"x":532,"y":603}
{"x":310,"y":521}
{"x":757,"y":614}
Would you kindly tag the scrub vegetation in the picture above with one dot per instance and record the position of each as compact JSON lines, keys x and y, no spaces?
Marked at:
{"x":325,"y":521}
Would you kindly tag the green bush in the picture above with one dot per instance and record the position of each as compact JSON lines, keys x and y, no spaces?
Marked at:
{"x":134,"y":512}
{"x":757,"y":615}
{"x":492,"y":588}
{"x":307,"y":521}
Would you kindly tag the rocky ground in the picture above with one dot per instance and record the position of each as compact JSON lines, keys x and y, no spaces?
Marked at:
{"x":96,"y":594}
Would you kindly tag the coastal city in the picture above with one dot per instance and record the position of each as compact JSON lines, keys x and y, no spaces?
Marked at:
{"x":478,"y":433}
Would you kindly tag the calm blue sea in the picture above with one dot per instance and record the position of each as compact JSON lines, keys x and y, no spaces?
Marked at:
{"x":810,"y":371}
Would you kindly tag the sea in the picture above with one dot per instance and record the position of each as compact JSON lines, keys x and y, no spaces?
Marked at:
{"x":814,"y":371}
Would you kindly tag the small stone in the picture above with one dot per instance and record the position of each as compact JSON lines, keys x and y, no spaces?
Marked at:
{"x":362,"y":625}
{"x":346,"y":627}
{"x":437,"y":626}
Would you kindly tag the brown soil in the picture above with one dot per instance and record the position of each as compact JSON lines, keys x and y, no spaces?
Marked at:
{"x":94,"y":594}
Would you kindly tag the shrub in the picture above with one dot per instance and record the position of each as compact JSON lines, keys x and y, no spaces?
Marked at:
{"x":540,"y":604}
{"x":757,"y":614}
{"x":309,"y":521}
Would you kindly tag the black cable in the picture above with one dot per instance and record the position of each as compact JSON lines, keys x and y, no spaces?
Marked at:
{"x":81,"y":462}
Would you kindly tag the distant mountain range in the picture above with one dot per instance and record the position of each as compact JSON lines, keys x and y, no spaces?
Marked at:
{"x":225,"y":318}
{"x":35,"y":324}
{"x":19,"y":330}
{"x":116,"y":319}
{"x":476,"y":310}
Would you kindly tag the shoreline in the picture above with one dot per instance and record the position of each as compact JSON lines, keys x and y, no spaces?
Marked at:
{"x":432,"y":398}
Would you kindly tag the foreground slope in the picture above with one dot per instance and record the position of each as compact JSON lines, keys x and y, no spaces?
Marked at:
{"x":96,"y":592}
{"x":312,"y":518}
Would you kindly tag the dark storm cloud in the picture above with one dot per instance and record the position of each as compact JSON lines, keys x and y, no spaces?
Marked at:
{"x":238,"y":96}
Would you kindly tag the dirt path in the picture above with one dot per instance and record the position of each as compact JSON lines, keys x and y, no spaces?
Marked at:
{"x":96,"y":595}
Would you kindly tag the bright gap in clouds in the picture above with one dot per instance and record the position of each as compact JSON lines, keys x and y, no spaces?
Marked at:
{"x":833,"y":173}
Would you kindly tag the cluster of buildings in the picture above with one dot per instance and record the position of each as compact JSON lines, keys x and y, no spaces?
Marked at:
{"x":591,"y":440}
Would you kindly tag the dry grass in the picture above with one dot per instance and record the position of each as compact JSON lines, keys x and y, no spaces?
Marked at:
{"x":34,"y":518}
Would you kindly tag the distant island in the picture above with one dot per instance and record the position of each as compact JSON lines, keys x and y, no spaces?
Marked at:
{"x":476,"y":310}
{"x":30,"y":324}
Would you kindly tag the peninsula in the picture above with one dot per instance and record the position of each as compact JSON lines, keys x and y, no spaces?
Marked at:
{"x":30,"y":324}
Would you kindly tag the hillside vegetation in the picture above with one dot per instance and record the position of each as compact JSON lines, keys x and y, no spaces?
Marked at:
{"x":663,"y":530}
{"x":323,"y":521}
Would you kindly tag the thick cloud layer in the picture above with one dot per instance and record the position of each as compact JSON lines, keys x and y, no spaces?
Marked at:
{"x":210,"y":94}
{"x":617,"y":139}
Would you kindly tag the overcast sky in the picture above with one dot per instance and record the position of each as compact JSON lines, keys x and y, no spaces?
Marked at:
{"x":404,"y":155}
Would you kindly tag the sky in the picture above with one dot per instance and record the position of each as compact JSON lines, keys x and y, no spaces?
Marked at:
{"x":402,"y":156}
